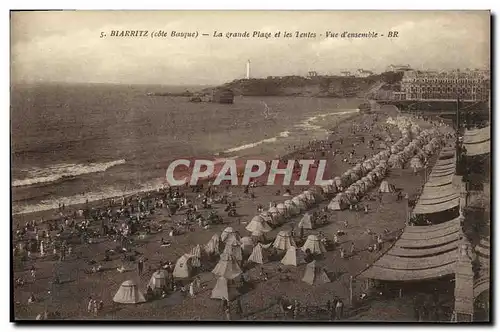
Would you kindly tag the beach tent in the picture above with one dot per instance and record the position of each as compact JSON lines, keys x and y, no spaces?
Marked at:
{"x":276,"y":215}
{"x":227,"y":232}
{"x":283,"y":240}
{"x":247,"y":244}
{"x":385,"y":187}
{"x":257,"y":224}
{"x":318,"y":193}
{"x":282,"y":209}
{"x":267,"y":217}
{"x":129,"y":293}
{"x":196,"y":253}
{"x":309,"y":196}
{"x":339,"y":202}
{"x":183,"y":267}
{"x":227,"y":267}
{"x":299,"y":203}
{"x":314,"y":245}
{"x":234,"y":249}
{"x":222,"y":291}
{"x":307,"y":221}
{"x":292,"y":209}
{"x":158,"y":280}
{"x":293,"y":256}
{"x":212,"y":247}
{"x":259,"y":255}
{"x":315,"y":274}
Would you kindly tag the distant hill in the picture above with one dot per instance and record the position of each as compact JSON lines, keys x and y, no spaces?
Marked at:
{"x":318,"y":86}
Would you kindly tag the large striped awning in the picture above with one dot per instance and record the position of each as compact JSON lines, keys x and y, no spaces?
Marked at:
{"x":477,"y":141}
{"x":422,"y":252}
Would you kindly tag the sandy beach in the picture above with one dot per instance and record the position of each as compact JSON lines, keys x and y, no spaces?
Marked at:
{"x":70,"y":297}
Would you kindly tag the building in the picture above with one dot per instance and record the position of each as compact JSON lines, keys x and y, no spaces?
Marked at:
{"x":345,"y":73}
{"x":468,"y":85}
{"x":399,"y":68}
{"x":363,"y":73}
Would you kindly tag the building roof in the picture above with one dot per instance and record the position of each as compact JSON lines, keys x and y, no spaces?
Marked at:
{"x":477,"y":141}
{"x":422,"y":252}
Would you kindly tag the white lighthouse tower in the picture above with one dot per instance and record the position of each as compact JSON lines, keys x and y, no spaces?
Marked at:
{"x":248,"y":69}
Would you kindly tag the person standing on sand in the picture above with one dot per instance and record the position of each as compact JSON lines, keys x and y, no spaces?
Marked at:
{"x":353,"y":248}
{"x":228,"y":313}
{"x":191,"y":289}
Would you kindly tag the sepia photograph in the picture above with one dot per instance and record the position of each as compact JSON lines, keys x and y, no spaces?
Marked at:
{"x":250,"y":166}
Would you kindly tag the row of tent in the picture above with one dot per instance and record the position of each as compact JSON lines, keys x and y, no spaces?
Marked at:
{"x":400,"y":155}
{"x":314,"y":274}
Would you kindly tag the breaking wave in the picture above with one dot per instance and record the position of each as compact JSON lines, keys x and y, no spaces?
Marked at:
{"x":62,"y":171}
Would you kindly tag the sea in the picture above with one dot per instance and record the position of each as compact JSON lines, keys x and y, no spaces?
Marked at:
{"x":76,"y":142}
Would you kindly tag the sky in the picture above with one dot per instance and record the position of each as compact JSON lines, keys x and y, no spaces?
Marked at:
{"x":65,"y":46}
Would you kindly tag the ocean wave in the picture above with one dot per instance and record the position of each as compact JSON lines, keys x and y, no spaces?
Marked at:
{"x":62,"y":171}
{"x":105,"y":193}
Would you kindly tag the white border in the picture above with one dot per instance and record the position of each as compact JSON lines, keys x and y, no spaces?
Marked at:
{"x":200,"y":4}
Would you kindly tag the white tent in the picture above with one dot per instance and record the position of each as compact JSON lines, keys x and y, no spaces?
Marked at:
{"x":315,"y":274}
{"x":283,"y":240}
{"x":385,"y":187}
{"x":307,"y":221}
{"x":234,"y":249}
{"x":259,"y":255}
{"x":282,"y":209}
{"x":228,"y":232}
{"x":183,"y":267}
{"x":294,"y":256}
{"x":129,"y":293}
{"x":222,"y":291}
{"x":196,"y":253}
{"x":314,"y":245}
{"x":158,"y":280}
{"x":227,"y":267}
{"x":212,"y":247}
{"x":299,"y":203}
{"x":247,"y":244}
{"x":339,"y":202}
{"x":258,"y":224}
{"x":292,"y":209}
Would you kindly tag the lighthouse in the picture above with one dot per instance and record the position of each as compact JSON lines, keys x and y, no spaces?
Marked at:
{"x":248,"y":69}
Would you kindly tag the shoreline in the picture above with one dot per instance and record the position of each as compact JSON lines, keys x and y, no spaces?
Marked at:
{"x":52,"y":214}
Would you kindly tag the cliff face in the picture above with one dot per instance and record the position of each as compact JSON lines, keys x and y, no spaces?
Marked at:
{"x":319,"y":86}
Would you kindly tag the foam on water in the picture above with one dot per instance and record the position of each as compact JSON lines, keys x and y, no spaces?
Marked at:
{"x":61,"y":171}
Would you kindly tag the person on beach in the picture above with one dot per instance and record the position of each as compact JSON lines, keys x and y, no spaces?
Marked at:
{"x":353,"y":248}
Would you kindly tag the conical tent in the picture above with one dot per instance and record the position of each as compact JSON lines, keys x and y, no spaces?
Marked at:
{"x":226,"y":232}
{"x":315,"y":274}
{"x":314,"y":245}
{"x":196,"y":253}
{"x":282,"y":209}
{"x":234,"y":249}
{"x":294,"y":256}
{"x":259,"y":255}
{"x":385,"y":187}
{"x":129,"y":293}
{"x":227,"y":267}
{"x":283,"y":240}
{"x":212,"y":247}
{"x":247,"y":244}
{"x":307,"y":221}
{"x":258,"y":224}
{"x":338,"y":203}
{"x":183,"y":267}
{"x":158,"y":279}
{"x":222,"y":291}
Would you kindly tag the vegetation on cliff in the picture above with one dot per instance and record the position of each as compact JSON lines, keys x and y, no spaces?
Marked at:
{"x":317,"y":86}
